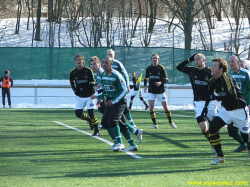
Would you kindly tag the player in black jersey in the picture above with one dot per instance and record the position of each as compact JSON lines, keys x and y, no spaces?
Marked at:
{"x":199,"y":77}
{"x":82,"y":83}
{"x":157,"y":77}
{"x":135,"y":92}
{"x":234,"y":109}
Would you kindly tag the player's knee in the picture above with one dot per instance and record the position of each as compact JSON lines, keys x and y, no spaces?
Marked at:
{"x":232,"y":131}
{"x":78,"y":113}
{"x":200,"y":119}
{"x":132,"y":98}
{"x":141,"y":98}
{"x":91,"y":113}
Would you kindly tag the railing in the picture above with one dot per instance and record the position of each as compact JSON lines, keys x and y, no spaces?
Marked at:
{"x":63,"y":94}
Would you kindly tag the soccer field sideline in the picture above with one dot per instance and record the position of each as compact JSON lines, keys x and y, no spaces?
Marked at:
{"x":137,"y":156}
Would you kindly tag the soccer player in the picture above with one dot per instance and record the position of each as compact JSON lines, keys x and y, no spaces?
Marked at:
{"x":199,"y":77}
{"x":157,"y":77}
{"x":7,"y":83}
{"x":242,"y":77}
{"x":95,"y":65}
{"x":114,"y":95}
{"x":135,"y":92}
{"x":234,"y":109}
{"x":117,"y":65}
{"x":82,"y":83}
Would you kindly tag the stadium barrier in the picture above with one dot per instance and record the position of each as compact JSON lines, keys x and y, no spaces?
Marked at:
{"x":53,"y":95}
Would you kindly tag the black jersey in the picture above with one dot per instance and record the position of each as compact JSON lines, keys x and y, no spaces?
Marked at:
{"x":156,"y":74}
{"x":82,"y":82}
{"x":199,"y":79}
{"x":134,"y":79}
{"x":228,"y":92}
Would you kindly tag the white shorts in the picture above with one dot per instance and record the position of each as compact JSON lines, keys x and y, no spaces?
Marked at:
{"x":135,"y":93}
{"x":82,"y":102}
{"x":240,"y":118}
{"x":160,"y":97}
{"x":199,"y":106}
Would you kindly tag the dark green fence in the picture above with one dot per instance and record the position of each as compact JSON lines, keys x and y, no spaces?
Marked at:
{"x":56,"y":63}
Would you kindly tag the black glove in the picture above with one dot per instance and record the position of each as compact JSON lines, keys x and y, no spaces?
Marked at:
{"x":191,"y":59}
{"x":204,"y":111}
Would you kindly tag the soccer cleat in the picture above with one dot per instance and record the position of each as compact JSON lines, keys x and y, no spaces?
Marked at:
{"x":90,"y":125}
{"x":173,"y":125}
{"x":131,"y":148}
{"x":240,"y":148}
{"x":139,"y":136}
{"x":112,"y":147}
{"x":96,"y":133}
{"x":146,"y":107}
{"x":118,"y":147}
{"x":154,"y":126}
{"x":218,"y":160}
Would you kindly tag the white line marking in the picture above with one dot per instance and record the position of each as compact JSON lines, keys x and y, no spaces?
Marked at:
{"x":96,"y":137}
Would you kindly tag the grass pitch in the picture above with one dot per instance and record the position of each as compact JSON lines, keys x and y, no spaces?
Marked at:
{"x":36,"y":151}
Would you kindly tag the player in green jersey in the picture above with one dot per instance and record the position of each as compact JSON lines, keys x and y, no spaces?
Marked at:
{"x":242,"y":77}
{"x":114,"y":97}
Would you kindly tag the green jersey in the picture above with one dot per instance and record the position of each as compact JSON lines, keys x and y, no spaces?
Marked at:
{"x":242,"y":77}
{"x":118,"y":66}
{"x":114,"y":86}
{"x":99,"y":87}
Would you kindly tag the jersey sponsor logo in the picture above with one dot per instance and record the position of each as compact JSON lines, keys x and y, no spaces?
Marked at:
{"x":163,"y":97}
{"x":109,"y":87}
{"x":239,"y":76}
{"x":109,"y":79}
{"x":114,"y":66}
{"x":245,"y":128}
{"x":198,"y":82}
{"x":91,"y":104}
{"x":81,"y":81}
{"x":154,"y":77}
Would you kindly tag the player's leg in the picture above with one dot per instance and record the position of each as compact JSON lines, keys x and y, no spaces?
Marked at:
{"x":163,"y":99}
{"x":151,"y":102}
{"x":90,"y":106}
{"x":131,"y":101}
{"x":3,"y":97}
{"x":236,"y":135}
{"x":127,"y":135}
{"x":79,"y":106}
{"x":8,"y":97}
{"x":128,"y":116}
{"x":216,"y":124}
{"x":114,"y":118}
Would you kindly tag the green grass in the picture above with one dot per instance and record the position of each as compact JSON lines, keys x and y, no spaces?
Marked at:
{"x":35,"y":151}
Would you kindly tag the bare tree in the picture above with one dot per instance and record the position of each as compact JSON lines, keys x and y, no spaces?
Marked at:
{"x":19,"y":13}
{"x":38,"y":21}
{"x":186,"y":12}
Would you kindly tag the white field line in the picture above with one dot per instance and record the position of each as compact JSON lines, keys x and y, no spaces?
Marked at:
{"x":96,"y":137}
{"x":139,"y":157}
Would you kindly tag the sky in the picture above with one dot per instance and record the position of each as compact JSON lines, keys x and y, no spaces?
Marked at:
{"x":161,"y":38}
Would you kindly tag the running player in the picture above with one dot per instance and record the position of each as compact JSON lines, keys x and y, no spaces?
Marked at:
{"x":82,"y":83}
{"x":199,"y":77}
{"x":224,"y":88}
{"x":157,"y":77}
{"x":114,"y":97}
